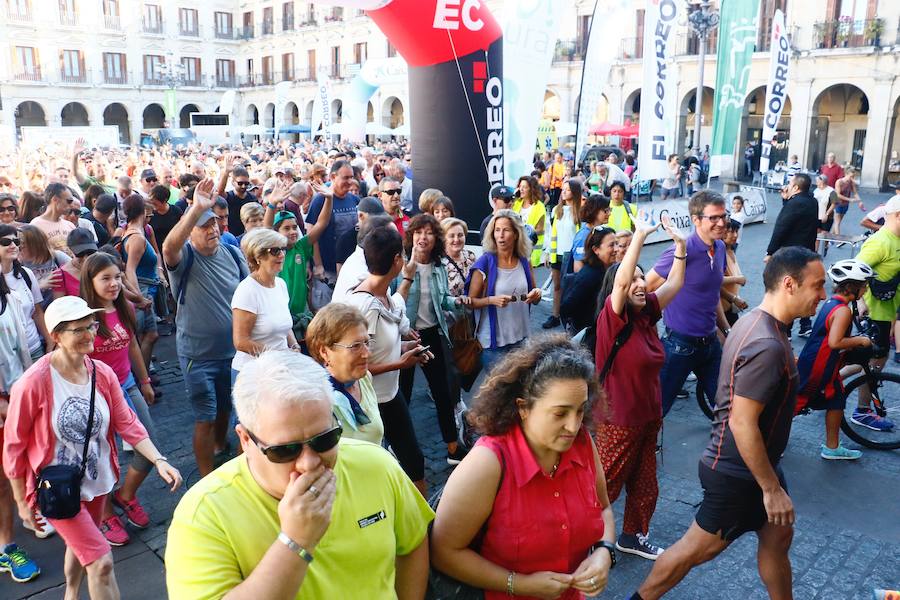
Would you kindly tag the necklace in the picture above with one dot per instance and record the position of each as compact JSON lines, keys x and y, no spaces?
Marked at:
{"x":554,"y":469}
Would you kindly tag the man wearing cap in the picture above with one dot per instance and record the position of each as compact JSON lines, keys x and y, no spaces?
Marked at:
{"x":148,"y":180}
{"x":53,"y":220}
{"x":501,"y":198}
{"x":347,"y":242}
{"x":204,"y":274}
{"x":237,"y":197}
{"x":81,"y":242}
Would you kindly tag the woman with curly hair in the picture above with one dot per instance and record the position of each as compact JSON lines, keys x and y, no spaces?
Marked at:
{"x":533,"y":482}
{"x":426,"y":289}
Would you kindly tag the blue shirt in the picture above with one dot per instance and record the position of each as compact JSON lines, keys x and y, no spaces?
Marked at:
{"x":228,"y":238}
{"x":693,"y":310}
{"x":343,"y":219}
{"x":578,"y":242}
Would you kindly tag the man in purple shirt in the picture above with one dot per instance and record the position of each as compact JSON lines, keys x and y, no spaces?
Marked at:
{"x":691,"y":342}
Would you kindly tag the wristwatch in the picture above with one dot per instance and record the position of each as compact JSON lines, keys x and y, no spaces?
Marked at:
{"x":295,"y":547}
{"x":609,"y":546}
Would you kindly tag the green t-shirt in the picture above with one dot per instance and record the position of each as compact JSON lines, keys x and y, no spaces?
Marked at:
{"x":89,"y":181}
{"x":882,"y":252}
{"x":294,"y":274}
{"x":226,"y":523}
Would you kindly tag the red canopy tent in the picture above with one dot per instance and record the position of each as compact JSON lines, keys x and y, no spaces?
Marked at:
{"x":605,"y":128}
{"x":629,"y":131}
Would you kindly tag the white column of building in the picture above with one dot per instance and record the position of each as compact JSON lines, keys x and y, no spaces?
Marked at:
{"x":877,"y":132}
{"x":800,"y":93}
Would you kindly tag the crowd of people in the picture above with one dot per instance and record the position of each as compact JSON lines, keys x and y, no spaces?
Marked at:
{"x":306,"y":287}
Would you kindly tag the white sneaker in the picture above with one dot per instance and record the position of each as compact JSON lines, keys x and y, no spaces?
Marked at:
{"x":48,"y":529}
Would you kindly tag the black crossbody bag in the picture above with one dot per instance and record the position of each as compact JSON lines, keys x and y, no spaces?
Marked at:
{"x":59,"y":486}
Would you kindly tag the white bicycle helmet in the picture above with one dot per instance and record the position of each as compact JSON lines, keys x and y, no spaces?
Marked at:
{"x":850,"y":269}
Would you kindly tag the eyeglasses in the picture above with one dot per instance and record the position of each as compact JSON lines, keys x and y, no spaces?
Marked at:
{"x":285,"y":453}
{"x":8,"y":241}
{"x":355,"y":347}
{"x":74,"y":211}
{"x":391,"y":192}
{"x":92,"y":328}
{"x":276,"y":251}
{"x":714,"y":218}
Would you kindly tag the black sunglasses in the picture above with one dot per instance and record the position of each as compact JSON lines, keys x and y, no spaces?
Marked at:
{"x":278,"y":251}
{"x":522,"y":297}
{"x":11,"y":209}
{"x":8,"y":241}
{"x":152,"y":179}
{"x":285,"y":453}
{"x":391,"y":192}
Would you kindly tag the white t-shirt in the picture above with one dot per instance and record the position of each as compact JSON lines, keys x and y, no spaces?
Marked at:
{"x":85,"y":224}
{"x":425,"y":316}
{"x":71,"y":405}
{"x":512,"y":320}
{"x":28,"y":298}
{"x":353,"y":272}
{"x":565,"y":231}
{"x":273,"y":317}
{"x":822,"y":195}
{"x":385,"y":328}
{"x":57,"y":232}
{"x":877,"y":215}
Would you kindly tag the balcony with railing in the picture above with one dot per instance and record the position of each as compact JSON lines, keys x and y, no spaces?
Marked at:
{"x":119,"y":78}
{"x":631,"y":48}
{"x":287,"y":24}
{"x":15,"y":15}
{"x":267,"y":27}
{"x":154,"y":79}
{"x":112,"y":22}
{"x":230,"y":82}
{"x":189,"y":30}
{"x":227,"y":34}
{"x":847,"y":33}
{"x":569,"y":50}
{"x":68,"y":19}
{"x":307,"y":21}
{"x":152,"y":27}
{"x":244,"y":33}
{"x":73,"y":78}
{"x":32,"y":75}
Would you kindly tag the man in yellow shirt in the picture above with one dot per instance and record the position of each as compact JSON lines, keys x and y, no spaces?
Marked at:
{"x":310,"y":519}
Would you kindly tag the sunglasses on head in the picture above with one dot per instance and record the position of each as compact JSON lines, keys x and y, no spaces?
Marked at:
{"x":285,"y":453}
{"x":8,"y":241}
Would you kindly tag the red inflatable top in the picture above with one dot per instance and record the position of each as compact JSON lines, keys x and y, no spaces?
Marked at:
{"x":419,"y":28}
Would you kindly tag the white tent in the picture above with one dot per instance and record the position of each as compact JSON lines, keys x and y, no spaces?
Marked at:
{"x":376,"y":129}
{"x":402,"y":130}
{"x":256,"y":129}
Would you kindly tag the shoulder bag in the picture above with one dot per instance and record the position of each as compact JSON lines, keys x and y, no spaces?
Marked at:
{"x":59,"y":486}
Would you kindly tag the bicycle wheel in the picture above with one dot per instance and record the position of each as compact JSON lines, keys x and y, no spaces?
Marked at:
{"x":885,"y":402}
{"x":707,"y":405}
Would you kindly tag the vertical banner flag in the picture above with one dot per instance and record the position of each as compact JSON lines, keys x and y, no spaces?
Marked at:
{"x":660,"y":21}
{"x":737,"y":40}
{"x":282,"y":89}
{"x":672,"y":108}
{"x":606,"y":29}
{"x":776,"y":89}
{"x":529,"y":39}
{"x":171,"y":106}
{"x":321,"y":113}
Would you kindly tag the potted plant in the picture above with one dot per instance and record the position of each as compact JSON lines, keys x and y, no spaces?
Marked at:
{"x":843,"y":31}
{"x":874,"y":31}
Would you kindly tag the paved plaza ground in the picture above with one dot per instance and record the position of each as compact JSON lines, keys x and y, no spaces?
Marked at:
{"x":847,"y":537}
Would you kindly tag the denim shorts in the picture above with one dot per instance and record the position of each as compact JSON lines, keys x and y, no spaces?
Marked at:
{"x":208,"y":385}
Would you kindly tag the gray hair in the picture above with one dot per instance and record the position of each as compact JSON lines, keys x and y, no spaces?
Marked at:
{"x":300,"y":189}
{"x":384,"y":181}
{"x":523,"y":244}
{"x":278,"y":378}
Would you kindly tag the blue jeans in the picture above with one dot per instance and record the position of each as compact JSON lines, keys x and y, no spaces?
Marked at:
{"x":685,"y":354}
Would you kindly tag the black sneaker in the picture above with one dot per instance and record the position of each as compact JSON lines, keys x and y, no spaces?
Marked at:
{"x":551,"y":322}
{"x":637,"y":544}
{"x":683,"y":393}
{"x":455,"y":458}
{"x":805,"y":333}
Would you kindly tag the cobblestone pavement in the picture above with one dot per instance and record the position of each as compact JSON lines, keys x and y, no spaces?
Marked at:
{"x":847,"y":537}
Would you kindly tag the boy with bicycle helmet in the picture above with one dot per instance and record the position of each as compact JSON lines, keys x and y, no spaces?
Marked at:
{"x":828,"y":348}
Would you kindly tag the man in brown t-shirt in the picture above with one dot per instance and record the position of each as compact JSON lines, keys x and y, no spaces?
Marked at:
{"x":743,"y":487}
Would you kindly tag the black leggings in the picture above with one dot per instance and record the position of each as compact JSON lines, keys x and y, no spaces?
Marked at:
{"x":400,"y":434}
{"x":442,"y":380}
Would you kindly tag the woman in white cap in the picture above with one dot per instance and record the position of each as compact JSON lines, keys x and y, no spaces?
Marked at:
{"x":50,"y":422}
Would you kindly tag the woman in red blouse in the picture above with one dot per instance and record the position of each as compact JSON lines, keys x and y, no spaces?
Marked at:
{"x":626,"y":430}
{"x":526,"y":512}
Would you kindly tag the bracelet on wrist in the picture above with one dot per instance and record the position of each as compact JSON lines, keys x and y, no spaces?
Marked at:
{"x":681,"y":257}
{"x":510,"y":581}
{"x":145,"y":381}
{"x":161,"y":458}
{"x":295,"y":547}
{"x":409,"y":279}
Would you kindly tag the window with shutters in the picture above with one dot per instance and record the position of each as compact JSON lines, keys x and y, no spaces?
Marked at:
{"x":267,"y":71}
{"x":192,"y":71}
{"x":152,"y":18}
{"x":28,"y":66}
{"x":224,"y":25}
{"x":287,"y":66}
{"x":71,"y":66}
{"x":287,"y":16}
{"x":767,"y":10}
{"x":268,"y":24}
{"x":311,"y":63}
{"x":68,"y":15}
{"x":187,"y":22}
{"x":114,"y":67}
{"x":153,"y":69}
{"x":224,"y":72}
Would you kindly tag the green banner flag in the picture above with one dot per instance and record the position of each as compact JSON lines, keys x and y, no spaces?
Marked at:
{"x":170,"y":104}
{"x":737,"y":40}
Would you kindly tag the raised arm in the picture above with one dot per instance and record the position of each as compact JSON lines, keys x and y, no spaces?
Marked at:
{"x":316,"y":231}
{"x":76,"y":161}
{"x":674,"y":282}
{"x":223,"y":176}
{"x":203,"y":201}
{"x":625,"y":272}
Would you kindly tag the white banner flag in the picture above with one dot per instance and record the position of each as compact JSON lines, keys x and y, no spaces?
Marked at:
{"x":659,"y":40}
{"x":282,"y":89}
{"x":321,"y":113}
{"x":606,"y":31}
{"x":529,"y":38}
{"x":776,"y":90}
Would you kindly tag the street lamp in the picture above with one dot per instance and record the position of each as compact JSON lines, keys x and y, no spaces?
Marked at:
{"x":172,"y":77}
{"x":702,"y":19}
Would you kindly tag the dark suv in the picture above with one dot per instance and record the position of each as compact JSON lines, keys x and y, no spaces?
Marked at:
{"x":592,"y":153}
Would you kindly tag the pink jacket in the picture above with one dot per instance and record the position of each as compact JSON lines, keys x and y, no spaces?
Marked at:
{"x":29,"y":441}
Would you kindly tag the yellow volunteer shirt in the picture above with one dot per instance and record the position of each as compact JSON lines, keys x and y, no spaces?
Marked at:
{"x":618,"y":217}
{"x":226,"y":523}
